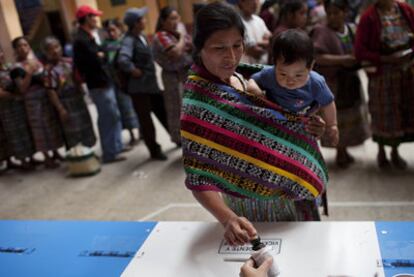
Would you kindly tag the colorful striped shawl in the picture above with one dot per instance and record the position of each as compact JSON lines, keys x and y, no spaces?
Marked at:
{"x":246,"y":146}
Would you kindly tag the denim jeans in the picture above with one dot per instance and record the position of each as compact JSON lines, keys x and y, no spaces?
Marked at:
{"x":109,"y":122}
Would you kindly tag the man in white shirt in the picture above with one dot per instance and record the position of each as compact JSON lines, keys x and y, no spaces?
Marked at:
{"x":257,"y":35}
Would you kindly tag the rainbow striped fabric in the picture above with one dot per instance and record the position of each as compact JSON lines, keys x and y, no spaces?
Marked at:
{"x":246,"y":146}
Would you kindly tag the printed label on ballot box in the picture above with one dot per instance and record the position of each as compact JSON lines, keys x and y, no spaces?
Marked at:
{"x":226,"y":248}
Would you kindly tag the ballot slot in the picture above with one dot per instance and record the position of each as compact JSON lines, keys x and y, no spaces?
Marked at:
{"x":16,"y":250}
{"x":110,"y":254}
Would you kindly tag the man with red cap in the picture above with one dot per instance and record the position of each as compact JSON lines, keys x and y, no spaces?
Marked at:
{"x":89,"y":60}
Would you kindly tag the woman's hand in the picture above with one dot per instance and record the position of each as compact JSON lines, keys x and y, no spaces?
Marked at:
{"x":249,"y":270}
{"x":316,"y":126}
{"x":398,"y":57}
{"x":136,"y":73}
{"x":239,"y":231}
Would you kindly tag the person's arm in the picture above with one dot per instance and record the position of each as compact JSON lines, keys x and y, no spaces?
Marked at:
{"x":54,"y":99}
{"x":51,"y":86}
{"x":336,"y":60}
{"x":264,"y":43}
{"x":329,"y":115}
{"x":176,"y":50}
{"x":398,"y":57}
{"x":238,"y":230}
{"x":4,"y":94}
{"x":125,"y":58}
{"x":22,"y":78}
{"x":255,"y":51}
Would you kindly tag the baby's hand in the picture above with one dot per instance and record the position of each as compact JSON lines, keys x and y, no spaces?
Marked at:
{"x":332,"y":135}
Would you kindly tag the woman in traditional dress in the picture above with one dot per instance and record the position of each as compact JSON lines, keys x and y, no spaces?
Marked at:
{"x":385,"y":39}
{"x":245,"y":159}
{"x":13,"y":119}
{"x":335,"y":61}
{"x":67,"y":97}
{"x":28,"y":74}
{"x":171,"y":48}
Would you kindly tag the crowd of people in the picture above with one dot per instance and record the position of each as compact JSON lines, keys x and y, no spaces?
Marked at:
{"x":42,"y":95}
{"x":43,"y":106}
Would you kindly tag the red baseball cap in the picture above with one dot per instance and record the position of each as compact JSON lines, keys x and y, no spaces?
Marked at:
{"x":86,"y":10}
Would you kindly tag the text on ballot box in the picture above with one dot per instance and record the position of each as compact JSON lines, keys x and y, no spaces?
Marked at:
{"x":246,"y":249}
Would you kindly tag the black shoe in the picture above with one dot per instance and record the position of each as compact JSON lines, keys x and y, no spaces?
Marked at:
{"x":158,"y":156}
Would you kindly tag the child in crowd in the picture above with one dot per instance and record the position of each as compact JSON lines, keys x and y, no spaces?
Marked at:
{"x":293,"y":85}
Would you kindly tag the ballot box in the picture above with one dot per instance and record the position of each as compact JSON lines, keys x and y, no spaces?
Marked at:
{"x":163,"y":249}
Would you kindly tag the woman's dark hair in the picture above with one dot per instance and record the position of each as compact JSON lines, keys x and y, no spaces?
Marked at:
{"x":340,"y":4}
{"x":113,"y":21}
{"x":210,"y":19}
{"x":289,"y":7}
{"x":164,"y":14}
{"x":293,"y":45}
{"x":16,"y":41}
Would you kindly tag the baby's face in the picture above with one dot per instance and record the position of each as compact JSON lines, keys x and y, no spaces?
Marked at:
{"x":292,"y":76}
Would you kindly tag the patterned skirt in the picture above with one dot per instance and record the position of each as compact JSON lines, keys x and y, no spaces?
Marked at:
{"x":391,"y":99}
{"x":78,"y":128}
{"x":43,"y":120}
{"x":173,"y":94}
{"x":257,"y":210}
{"x":129,"y":118}
{"x":16,"y":129}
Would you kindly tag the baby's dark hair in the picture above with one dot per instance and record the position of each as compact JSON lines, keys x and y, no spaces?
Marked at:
{"x":293,"y":45}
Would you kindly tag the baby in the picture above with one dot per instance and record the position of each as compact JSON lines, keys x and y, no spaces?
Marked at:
{"x":292,"y":84}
